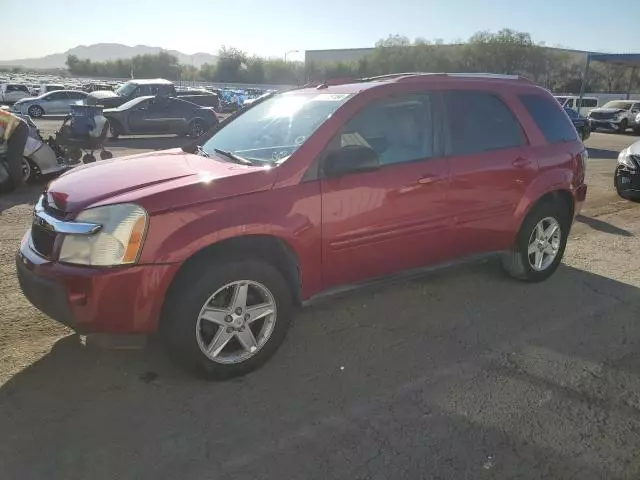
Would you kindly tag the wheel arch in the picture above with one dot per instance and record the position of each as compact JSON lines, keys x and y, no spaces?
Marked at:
{"x":271,"y":249}
{"x":44,"y":112}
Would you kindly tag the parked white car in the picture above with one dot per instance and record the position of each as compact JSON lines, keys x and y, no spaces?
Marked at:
{"x":12,"y":92}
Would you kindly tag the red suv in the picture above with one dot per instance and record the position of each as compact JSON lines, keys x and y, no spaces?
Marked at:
{"x":305,"y":192}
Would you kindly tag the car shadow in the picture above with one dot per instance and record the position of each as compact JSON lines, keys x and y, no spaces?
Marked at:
{"x":27,"y":195}
{"x":602,"y":153}
{"x":148,"y":143}
{"x":459,"y":374}
{"x":603,"y":226}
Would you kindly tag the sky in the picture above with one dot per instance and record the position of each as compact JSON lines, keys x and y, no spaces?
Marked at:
{"x":272,"y":27}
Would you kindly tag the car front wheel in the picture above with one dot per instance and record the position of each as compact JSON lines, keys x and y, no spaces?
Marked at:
{"x":540,"y":243}
{"x":35,"y":111}
{"x":227,"y":320}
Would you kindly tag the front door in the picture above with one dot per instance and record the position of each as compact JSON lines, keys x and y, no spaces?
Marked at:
{"x":491,"y":168}
{"x":57,"y":102}
{"x":393,"y":218}
{"x":138,"y":119}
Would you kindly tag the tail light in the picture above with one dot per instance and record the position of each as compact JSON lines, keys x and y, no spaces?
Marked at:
{"x":581,"y":165}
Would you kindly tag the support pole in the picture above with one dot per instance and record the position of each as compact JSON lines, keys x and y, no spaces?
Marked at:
{"x":633,"y":72}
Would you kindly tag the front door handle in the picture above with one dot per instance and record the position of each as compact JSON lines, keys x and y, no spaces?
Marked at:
{"x":428,"y":179}
{"x":521,"y":162}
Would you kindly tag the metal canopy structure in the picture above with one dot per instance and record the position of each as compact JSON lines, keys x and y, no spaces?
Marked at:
{"x":629,"y":60}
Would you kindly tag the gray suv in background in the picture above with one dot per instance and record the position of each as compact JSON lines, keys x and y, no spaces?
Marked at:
{"x":617,"y":115}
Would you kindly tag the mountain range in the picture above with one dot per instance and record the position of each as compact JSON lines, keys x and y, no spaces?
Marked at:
{"x":101,"y":52}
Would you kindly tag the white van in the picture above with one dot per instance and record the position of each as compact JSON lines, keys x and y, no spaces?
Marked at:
{"x":571,"y":101}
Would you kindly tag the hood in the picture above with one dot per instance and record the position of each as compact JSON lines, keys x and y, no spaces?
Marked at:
{"x":157,"y":181}
{"x":608,"y":110}
{"x":102,"y":94}
{"x":634,"y":149}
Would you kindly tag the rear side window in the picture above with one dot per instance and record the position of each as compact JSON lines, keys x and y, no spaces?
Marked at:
{"x":551,"y":120}
{"x":481,"y":122}
{"x":588,"y":102}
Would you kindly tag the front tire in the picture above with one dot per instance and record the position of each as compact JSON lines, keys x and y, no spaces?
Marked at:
{"x":540,"y":243}
{"x":35,"y":111}
{"x":226,"y":320}
{"x":622,"y":128}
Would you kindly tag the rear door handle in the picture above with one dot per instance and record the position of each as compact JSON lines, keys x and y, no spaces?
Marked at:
{"x":521,"y":162}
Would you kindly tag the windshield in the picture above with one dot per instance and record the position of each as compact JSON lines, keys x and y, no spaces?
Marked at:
{"x":126,"y":89}
{"x":620,"y":105}
{"x":274,"y":129}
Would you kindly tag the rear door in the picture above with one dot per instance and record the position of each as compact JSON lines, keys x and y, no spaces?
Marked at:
{"x":394,"y":218}
{"x":491,"y":168}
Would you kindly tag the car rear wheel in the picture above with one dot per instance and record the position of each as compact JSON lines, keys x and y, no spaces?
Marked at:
{"x":196,"y":129}
{"x":27,"y":170}
{"x":226,"y":320}
{"x":540,"y":243}
{"x":35,"y":111}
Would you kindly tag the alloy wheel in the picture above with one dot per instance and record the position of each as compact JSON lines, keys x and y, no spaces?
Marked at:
{"x":544,"y":244}
{"x":236,"y":322}
{"x":26,"y":170}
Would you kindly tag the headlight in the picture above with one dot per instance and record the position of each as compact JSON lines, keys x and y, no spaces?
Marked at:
{"x":625,"y":158}
{"x":118,"y":242}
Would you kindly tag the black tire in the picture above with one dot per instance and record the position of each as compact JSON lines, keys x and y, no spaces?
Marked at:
{"x":622,"y":128}
{"x":106,"y":155}
{"x":636,"y":130}
{"x":88,"y":158}
{"x":35,"y":111}
{"x":190,"y":294}
{"x":516,"y":262}
{"x":196,"y":129}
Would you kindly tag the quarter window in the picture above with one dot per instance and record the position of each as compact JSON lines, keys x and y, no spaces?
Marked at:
{"x":481,"y":122}
{"x":551,"y":120}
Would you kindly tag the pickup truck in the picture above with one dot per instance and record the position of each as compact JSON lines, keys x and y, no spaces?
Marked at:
{"x":140,"y":88}
{"x":617,"y":115}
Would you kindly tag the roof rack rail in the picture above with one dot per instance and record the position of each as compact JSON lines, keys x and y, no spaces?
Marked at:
{"x":499,"y":76}
{"x":393,"y":75}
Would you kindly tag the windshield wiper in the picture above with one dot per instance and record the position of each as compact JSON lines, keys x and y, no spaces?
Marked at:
{"x":234,"y":157}
{"x":202,"y":152}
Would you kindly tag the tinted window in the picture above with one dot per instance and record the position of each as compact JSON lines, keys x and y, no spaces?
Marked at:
{"x":57,"y":96}
{"x":399,"y":129}
{"x":550,"y":119}
{"x":589,"y":102}
{"x":481,"y":122}
{"x":77,"y":95}
{"x":17,"y":88}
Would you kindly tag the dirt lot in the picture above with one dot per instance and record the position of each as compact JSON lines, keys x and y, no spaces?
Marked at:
{"x":461,"y":374}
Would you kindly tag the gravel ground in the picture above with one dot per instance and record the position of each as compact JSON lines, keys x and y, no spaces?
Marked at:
{"x":460,"y":374}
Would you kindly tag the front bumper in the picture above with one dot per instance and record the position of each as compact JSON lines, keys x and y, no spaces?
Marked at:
{"x":627,"y":182}
{"x":605,"y":124}
{"x":95,"y":300}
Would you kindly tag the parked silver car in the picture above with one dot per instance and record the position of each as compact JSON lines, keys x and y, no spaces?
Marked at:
{"x":52,"y":103}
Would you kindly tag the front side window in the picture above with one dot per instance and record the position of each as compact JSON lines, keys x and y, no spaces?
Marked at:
{"x":399,"y":129}
{"x":274,"y":129}
{"x":555,"y":126}
{"x":480,"y":122}
{"x":57,"y":96}
{"x":127,"y":89}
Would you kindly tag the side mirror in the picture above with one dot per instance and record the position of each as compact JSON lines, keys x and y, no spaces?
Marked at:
{"x":351,"y":159}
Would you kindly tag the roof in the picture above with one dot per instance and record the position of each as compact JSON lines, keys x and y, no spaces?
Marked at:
{"x":624,"y":59}
{"x":151,"y":81}
{"x":357,"y":85}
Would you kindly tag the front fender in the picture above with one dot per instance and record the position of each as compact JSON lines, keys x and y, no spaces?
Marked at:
{"x":546,"y":182}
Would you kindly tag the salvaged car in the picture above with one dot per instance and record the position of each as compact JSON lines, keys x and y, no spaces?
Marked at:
{"x":303,"y":194}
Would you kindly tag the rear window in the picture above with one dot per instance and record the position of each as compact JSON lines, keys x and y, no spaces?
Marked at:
{"x":551,"y":120}
{"x":481,"y":122}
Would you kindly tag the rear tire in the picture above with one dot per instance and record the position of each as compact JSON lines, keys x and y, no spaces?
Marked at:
{"x":88,"y":158}
{"x":183,"y":326}
{"x":196,"y":129}
{"x":114,"y":129}
{"x":636,"y":130}
{"x":522,"y":262}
